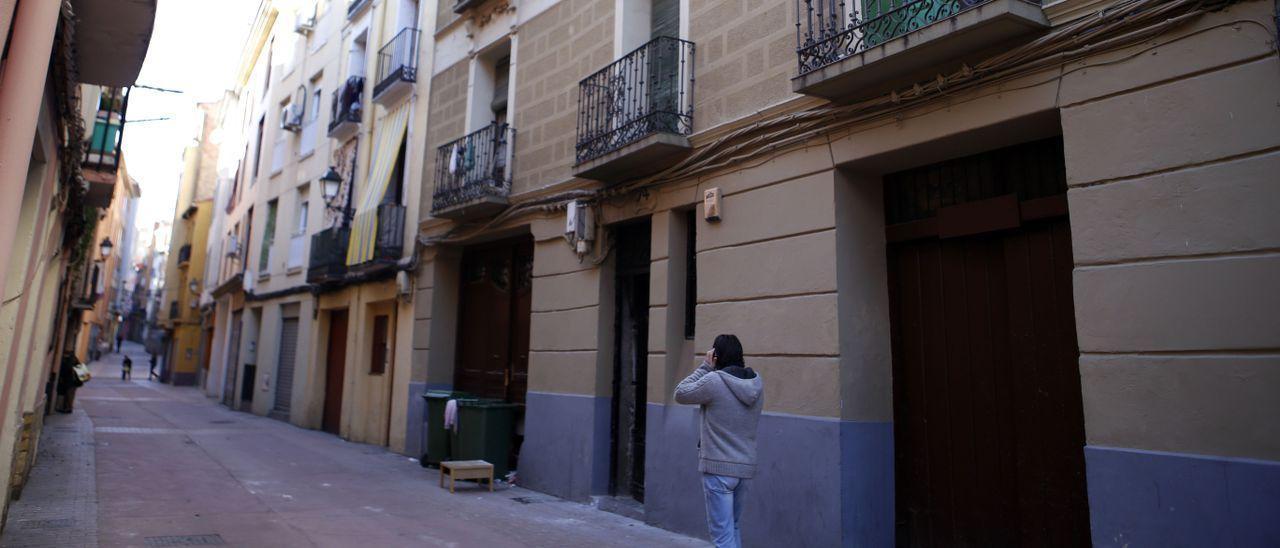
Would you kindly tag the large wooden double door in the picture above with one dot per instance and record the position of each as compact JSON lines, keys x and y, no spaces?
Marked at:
{"x":493,"y":326}
{"x":988,"y":422}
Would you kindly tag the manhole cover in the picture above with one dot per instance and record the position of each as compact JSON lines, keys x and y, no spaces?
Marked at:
{"x":47,"y":523}
{"x":185,"y":540}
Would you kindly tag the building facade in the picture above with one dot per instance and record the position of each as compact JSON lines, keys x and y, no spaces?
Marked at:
{"x":64,"y":77}
{"x":1002,"y":265}
{"x":185,"y":342}
{"x":307,"y":271}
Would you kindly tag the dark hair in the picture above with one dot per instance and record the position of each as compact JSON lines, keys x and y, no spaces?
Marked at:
{"x":728,"y":351}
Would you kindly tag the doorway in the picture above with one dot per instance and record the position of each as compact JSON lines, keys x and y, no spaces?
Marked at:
{"x":988,"y":420}
{"x":231,"y":365}
{"x":493,"y":323}
{"x":630,"y":361}
{"x":285,"y":367}
{"x":334,"y":372}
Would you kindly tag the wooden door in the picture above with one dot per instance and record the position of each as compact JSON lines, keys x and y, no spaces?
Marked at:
{"x":988,"y":421}
{"x":493,"y":330}
{"x":335,"y":371}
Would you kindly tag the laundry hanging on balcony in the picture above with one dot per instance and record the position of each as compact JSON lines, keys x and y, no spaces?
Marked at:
{"x":386,"y":146}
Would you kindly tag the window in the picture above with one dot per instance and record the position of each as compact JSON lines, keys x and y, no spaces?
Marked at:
{"x":690,"y":272}
{"x":266,"y":81}
{"x":381,"y":349}
{"x":303,"y":210}
{"x":268,"y":237}
{"x":490,"y":84}
{"x":257,"y":149}
{"x":315,"y":99}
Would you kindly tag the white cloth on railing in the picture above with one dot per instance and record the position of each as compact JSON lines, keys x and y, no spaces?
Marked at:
{"x":454,"y":157}
{"x":451,"y":416}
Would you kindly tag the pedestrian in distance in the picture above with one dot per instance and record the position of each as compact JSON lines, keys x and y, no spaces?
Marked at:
{"x":152,"y":373}
{"x":126,"y":369}
{"x":731,"y":396}
{"x":119,"y":340}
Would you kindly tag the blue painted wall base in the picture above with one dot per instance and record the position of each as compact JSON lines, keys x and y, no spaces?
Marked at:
{"x":1154,"y":498}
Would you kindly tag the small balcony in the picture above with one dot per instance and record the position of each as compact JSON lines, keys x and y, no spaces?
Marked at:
{"x":184,"y":255}
{"x":347,"y":108}
{"x":388,"y":243}
{"x":635,"y":115}
{"x":845,"y":55}
{"x":472,"y":175}
{"x":328,"y":261}
{"x":103,"y":150}
{"x":397,"y":68}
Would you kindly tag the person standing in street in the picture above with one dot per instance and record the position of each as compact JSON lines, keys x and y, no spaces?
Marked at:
{"x":152,"y":373}
{"x":119,"y":340}
{"x":126,"y":369}
{"x":68,"y":382}
{"x":731,"y":396}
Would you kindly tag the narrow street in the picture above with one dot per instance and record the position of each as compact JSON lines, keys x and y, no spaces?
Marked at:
{"x":172,"y":468}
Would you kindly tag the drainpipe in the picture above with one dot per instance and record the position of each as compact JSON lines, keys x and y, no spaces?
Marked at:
{"x":21,"y":90}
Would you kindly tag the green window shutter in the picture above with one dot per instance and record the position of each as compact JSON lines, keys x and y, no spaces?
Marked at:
{"x":268,"y":238}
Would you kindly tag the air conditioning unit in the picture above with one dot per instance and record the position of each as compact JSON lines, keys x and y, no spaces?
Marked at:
{"x":291,"y":118}
{"x":304,"y":25}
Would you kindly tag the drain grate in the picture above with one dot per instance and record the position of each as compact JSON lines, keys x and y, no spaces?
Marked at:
{"x":46,"y":523}
{"x":185,"y":540}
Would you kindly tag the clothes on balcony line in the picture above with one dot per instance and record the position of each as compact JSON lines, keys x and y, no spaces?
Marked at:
{"x":386,"y":148}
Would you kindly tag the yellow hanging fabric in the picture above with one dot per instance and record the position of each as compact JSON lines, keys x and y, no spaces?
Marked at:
{"x":386,"y":146}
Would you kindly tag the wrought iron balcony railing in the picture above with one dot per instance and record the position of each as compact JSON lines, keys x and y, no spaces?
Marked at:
{"x":103,"y":150}
{"x":647,"y":91}
{"x":348,"y":104}
{"x":389,"y":244}
{"x":473,"y":167}
{"x":827,"y":31}
{"x":328,"y":261}
{"x":398,"y":60}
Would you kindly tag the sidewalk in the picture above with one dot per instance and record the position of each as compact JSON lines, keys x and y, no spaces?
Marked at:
{"x":171,"y":467}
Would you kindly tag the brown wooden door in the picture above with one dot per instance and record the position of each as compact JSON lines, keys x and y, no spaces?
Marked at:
{"x":493,"y":334}
{"x":988,"y":422}
{"x":335,"y":371}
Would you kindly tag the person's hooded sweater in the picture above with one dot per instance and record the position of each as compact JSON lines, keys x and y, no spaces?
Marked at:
{"x":731,"y":400}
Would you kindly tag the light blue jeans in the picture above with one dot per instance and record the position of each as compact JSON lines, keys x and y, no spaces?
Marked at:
{"x":724,"y":508}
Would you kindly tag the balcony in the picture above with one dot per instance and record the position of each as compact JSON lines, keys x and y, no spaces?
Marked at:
{"x":328,"y":262}
{"x":472,"y":175}
{"x":388,"y":243}
{"x":635,"y":115}
{"x":184,"y":255}
{"x":397,"y":68}
{"x":347,"y":109}
{"x":845,"y":56}
{"x":103,"y":150}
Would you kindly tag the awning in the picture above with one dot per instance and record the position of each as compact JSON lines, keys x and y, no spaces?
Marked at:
{"x":386,"y":146}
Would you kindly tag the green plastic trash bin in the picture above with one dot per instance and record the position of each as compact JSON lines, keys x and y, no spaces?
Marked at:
{"x":437,"y":437}
{"x":484,"y":432}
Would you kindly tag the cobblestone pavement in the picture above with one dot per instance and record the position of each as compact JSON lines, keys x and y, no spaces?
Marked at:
{"x":172,"y":468}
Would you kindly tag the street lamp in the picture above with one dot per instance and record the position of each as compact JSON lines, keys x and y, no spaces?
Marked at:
{"x":331,"y":182}
{"x":106,"y":247}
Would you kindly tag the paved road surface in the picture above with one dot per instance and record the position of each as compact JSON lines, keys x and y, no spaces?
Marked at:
{"x":172,"y":468}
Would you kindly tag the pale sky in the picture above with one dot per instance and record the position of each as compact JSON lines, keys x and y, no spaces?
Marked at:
{"x":194,"y":48}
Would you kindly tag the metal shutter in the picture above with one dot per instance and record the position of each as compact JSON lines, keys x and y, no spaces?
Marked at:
{"x":284,"y":372}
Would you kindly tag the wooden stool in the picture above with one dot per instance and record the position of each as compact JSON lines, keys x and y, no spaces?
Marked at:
{"x":466,"y":469}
